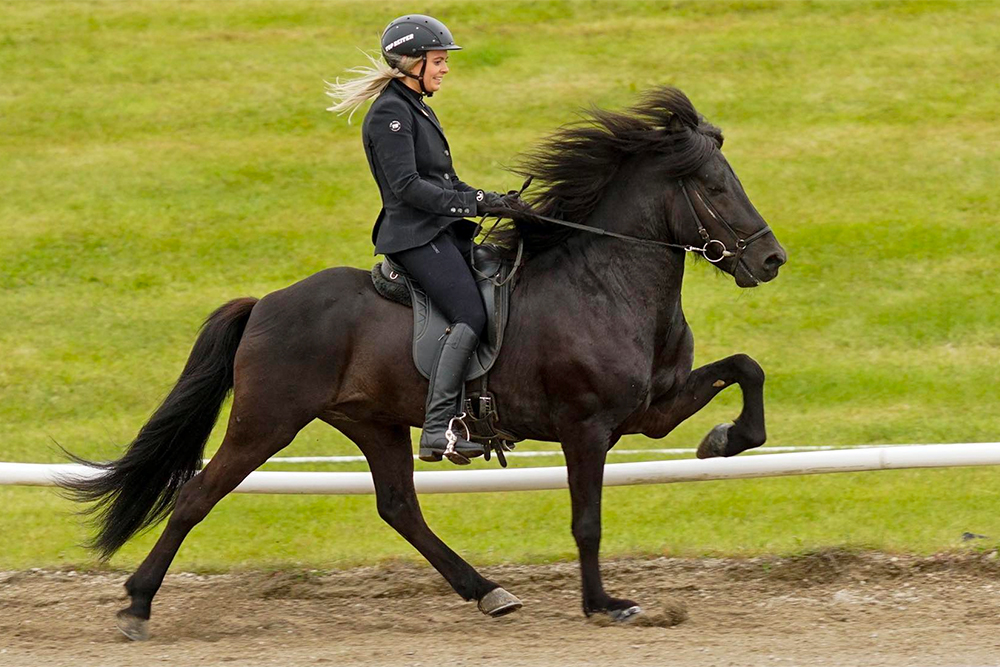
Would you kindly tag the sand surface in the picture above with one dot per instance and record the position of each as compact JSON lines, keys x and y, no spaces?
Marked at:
{"x":831,"y":609}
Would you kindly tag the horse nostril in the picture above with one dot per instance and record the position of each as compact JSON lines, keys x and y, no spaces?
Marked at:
{"x":774,"y":260}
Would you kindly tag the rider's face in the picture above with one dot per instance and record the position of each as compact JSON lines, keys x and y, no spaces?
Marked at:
{"x":437,"y":67}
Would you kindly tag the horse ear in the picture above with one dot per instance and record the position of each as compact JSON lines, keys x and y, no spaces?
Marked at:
{"x":675,"y":124}
{"x":710,"y":130}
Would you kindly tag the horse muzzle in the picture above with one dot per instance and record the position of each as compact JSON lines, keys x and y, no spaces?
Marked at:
{"x":750,"y":272}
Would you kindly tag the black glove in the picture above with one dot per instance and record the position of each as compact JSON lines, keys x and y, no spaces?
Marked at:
{"x":502,"y":206}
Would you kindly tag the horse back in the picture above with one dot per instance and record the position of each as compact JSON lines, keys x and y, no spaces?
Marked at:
{"x":331,"y":342}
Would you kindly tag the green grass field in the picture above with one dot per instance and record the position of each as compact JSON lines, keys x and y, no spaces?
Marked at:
{"x":160,"y":157}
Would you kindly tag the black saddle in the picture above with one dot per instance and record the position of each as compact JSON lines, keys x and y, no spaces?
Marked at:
{"x":492,"y":272}
{"x":429,"y":323}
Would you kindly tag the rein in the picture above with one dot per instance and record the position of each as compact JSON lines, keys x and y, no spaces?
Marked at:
{"x":713,"y":250}
{"x":625,"y":237}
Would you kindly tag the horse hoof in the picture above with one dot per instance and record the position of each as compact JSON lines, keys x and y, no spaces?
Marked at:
{"x":715,"y":442}
{"x":499,"y":602}
{"x":133,"y":627}
{"x":624,"y":615}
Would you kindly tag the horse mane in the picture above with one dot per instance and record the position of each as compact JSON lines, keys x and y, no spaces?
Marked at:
{"x":576,"y":164}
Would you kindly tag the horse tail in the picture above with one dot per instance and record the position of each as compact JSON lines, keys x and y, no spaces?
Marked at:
{"x":141,"y":488}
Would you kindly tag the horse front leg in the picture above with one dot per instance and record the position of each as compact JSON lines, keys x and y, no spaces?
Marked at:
{"x":586,"y":451}
{"x":701,"y":386}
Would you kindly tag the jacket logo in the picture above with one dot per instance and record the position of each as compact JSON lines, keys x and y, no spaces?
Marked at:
{"x":399,"y":41}
{"x":395,"y":125}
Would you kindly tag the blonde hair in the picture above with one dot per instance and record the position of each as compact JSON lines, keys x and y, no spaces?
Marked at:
{"x":369,"y":83}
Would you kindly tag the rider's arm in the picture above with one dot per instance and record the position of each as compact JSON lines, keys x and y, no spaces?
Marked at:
{"x":395,"y":153}
{"x":461,"y":185}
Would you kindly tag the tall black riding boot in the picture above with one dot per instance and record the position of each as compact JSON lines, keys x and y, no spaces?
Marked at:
{"x":443,"y":398}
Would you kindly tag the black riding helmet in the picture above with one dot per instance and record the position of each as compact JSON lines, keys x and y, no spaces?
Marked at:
{"x":415,"y":35}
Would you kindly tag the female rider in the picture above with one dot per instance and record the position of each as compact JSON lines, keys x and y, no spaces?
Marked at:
{"x":421,"y":225}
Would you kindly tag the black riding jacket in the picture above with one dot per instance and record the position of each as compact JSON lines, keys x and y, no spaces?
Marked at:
{"x":411,"y":162}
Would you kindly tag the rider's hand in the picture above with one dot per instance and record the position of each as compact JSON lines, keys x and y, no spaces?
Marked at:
{"x":494,"y":203}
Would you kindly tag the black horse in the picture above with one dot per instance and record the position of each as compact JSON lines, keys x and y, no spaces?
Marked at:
{"x":597,"y":347}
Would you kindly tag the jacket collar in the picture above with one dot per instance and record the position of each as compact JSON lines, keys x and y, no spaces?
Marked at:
{"x":415,"y":99}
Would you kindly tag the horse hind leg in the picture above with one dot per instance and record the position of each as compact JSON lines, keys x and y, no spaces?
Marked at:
{"x":248,"y":443}
{"x":390,"y":458}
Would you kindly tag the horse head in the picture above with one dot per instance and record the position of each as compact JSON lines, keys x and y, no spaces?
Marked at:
{"x":709,"y":208}
{"x":588,"y":169}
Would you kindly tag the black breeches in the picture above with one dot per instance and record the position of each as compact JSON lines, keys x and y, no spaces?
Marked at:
{"x":441,"y":267}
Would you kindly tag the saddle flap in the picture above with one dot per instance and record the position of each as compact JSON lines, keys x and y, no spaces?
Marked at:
{"x":429,"y":323}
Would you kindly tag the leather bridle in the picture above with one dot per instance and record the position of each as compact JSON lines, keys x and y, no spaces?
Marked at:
{"x":713,"y":250}
{"x":741,"y":243}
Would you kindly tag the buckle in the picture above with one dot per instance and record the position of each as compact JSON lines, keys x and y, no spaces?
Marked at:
{"x":485,"y":407}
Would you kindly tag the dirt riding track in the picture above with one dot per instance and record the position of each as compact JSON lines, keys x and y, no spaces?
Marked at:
{"x":824,"y":609}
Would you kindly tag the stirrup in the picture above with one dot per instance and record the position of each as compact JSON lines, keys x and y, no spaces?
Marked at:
{"x":432,"y":452}
{"x":450,"y":452}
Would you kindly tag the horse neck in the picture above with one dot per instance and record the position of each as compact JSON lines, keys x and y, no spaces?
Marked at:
{"x":642,"y":277}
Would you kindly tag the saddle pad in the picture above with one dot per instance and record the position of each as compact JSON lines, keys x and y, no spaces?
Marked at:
{"x":429,"y":323}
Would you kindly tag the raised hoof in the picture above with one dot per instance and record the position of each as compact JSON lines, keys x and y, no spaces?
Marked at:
{"x":715,"y":442}
{"x":499,"y":602}
{"x":133,"y":627}
{"x":625,"y":615}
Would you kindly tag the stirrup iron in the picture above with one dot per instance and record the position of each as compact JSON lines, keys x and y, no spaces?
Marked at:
{"x":449,"y":451}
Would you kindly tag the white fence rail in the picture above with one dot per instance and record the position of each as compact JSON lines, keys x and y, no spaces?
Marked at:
{"x":542,"y":453}
{"x":616,"y":474}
